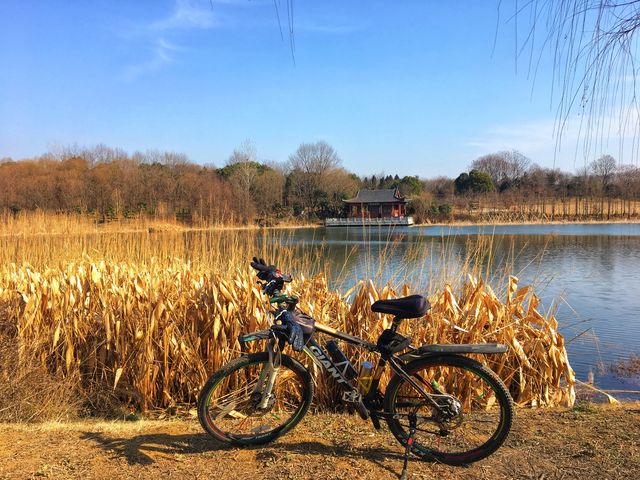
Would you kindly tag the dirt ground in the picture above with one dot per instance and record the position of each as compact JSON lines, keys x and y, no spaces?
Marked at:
{"x":588,"y":442}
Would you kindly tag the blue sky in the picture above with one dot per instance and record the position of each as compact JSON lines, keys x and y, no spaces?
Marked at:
{"x":412,"y":87}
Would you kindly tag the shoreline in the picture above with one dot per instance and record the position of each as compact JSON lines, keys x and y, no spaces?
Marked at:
{"x":464,"y":223}
{"x":152,"y":227}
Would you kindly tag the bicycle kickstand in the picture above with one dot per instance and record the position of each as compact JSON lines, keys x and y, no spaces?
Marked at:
{"x":413,"y":422}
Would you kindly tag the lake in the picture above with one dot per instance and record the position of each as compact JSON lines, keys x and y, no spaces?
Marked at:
{"x":588,"y":273}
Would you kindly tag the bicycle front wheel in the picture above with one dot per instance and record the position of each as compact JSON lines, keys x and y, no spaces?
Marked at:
{"x":234,"y":408}
{"x":474,"y":417}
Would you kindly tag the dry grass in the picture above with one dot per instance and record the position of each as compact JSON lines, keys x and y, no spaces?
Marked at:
{"x":496,"y":209}
{"x":29,"y":392}
{"x":44,"y":240}
{"x":38,"y":223}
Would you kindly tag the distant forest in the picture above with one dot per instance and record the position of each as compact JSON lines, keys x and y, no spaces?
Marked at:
{"x":110,"y":183}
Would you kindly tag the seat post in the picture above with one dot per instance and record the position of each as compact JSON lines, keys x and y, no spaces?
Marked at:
{"x":395,"y":324}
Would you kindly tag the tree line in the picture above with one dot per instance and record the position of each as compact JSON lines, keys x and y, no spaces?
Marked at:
{"x":111,"y":183}
{"x":310,"y":185}
{"x":507,"y":183}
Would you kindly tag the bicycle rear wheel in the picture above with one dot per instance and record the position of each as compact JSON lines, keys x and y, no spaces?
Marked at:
{"x":477,"y":409}
{"x":231,"y":408}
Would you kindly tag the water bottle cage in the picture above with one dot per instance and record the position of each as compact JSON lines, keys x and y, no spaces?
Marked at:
{"x":392,"y":342}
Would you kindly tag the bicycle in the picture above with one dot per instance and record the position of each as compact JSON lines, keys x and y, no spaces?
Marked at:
{"x":439,"y":404}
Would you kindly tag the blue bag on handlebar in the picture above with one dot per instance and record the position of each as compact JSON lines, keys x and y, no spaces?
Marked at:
{"x":295,"y":337}
{"x":298,"y":328}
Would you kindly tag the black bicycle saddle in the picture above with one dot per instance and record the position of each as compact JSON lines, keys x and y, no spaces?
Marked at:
{"x":413,"y":306}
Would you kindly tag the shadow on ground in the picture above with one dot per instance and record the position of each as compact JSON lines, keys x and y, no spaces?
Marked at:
{"x":137,"y":450}
{"x":140,"y":450}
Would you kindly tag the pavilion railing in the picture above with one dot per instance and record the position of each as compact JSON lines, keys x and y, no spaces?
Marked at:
{"x":368,"y":222}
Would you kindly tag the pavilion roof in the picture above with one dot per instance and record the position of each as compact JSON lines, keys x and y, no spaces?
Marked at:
{"x":389,"y":195}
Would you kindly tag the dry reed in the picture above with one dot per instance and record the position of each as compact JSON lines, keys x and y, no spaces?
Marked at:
{"x":153,"y":331}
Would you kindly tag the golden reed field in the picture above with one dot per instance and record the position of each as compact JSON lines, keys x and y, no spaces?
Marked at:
{"x":103,"y":320}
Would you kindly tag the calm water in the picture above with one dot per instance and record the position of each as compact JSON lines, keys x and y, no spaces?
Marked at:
{"x":589,"y":273}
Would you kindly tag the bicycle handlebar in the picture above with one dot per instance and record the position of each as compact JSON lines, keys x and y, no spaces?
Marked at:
{"x":268,"y":272}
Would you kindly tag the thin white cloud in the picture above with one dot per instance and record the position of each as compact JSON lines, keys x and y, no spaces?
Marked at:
{"x":543,"y":142}
{"x":161,"y":56}
{"x":524,"y":137}
{"x":186,"y":14}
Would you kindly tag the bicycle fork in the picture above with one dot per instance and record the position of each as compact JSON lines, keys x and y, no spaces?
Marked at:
{"x":267,"y":378}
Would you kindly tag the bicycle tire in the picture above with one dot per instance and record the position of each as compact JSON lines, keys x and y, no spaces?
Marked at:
{"x":455,"y":366}
{"x":212,"y":425}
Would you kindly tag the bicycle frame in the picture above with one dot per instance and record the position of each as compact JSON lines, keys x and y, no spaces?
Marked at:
{"x":338,"y":370}
{"x":315,"y":351}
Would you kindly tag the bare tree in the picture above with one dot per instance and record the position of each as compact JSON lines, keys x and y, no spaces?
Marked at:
{"x":517,"y":162}
{"x":628,"y":177}
{"x":628,"y":182}
{"x":245,"y":153}
{"x":244,"y":165}
{"x":99,"y":153}
{"x":151,"y":156}
{"x":175,"y":159}
{"x":504,"y":166}
{"x":314,"y":158}
{"x":604,"y":168}
{"x":309,"y":167}
{"x":494,"y":164}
